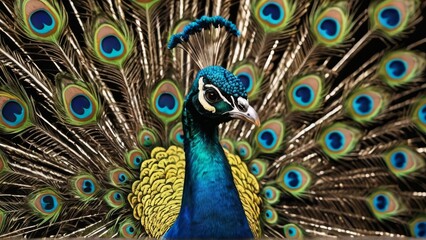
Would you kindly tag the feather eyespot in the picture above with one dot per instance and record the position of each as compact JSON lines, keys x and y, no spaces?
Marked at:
{"x":248,"y":75}
{"x":177,"y":135}
{"x":391,"y":16}
{"x":115,"y":199}
{"x":271,"y":194}
{"x":167,"y":101}
{"x":111,"y":42}
{"x":403,"y":161}
{"x":258,"y":167}
{"x":270,"y":215}
{"x":338,"y":140}
{"x":46,"y":203}
{"x":400,"y":67}
{"x":134,"y":158}
{"x":80,"y":106}
{"x":273,"y":15}
{"x":305,"y":93}
{"x":292,"y":231}
{"x":85,"y":186}
{"x":418,"y":115}
{"x":365,"y":104}
{"x":384,"y":204}
{"x":128,"y":229}
{"x":244,"y":150}
{"x":228,"y":144}
{"x":42,"y":20}
{"x":294,"y":179}
{"x":330,"y":25}
{"x":147,"y":138}
{"x":14,"y":113}
{"x":269,"y":136}
{"x":119,"y":177}
{"x":418,"y":227}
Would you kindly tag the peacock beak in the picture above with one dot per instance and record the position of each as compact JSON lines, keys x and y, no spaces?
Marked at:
{"x":245,"y":112}
{"x":250,"y":116}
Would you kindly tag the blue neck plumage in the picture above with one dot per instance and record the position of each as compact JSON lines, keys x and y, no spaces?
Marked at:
{"x":210,"y":206}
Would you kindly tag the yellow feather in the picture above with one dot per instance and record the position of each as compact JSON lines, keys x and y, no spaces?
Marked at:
{"x":159,"y":192}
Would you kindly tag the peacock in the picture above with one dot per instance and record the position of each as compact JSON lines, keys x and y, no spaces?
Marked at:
{"x":212,"y":119}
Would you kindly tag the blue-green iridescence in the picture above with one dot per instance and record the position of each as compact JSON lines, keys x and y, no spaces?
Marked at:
{"x":396,"y":68}
{"x":272,"y":12}
{"x":224,"y":80}
{"x":13,"y":113}
{"x":167,"y":103}
{"x":211,"y":207}
{"x":42,"y":22}
{"x":49,"y":203}
{"x":422,"y":114}
{"x":81,"y":106}
{"x":420,"y":230}
{"x":111,"y":46}
{"x":198,"y":25}
{"x":381,"y":202}
{"x":329,"y":28}
{"x":335,"y":140}
{"x":390,"y":17}
{"x":88,"y":186}
{"x":363,"y":104}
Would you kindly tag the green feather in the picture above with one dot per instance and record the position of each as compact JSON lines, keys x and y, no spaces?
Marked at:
{"x":269,"y":136}
{"x":128,"y":229}
{"x":294,"y":179}
{"x":384,"y":204}
{"x":134,"y":158}
{"x":418,"y":115}
{"x":292,"y":231}
{"x":77,"y":102}
{"x":85,"y":186}
{"x":258,"y":167}
{"x":244,"y":150}
{"x":166,"y":101}
{"x":46,"y":204}
{"x":248,"y":73}
{"x":271,"y":194}
{"x":115,"y":199}
{"x":15,"y":112}
{"x":110,"y":42}
{"x":148,"y":138}
{"x":338,"y":140}
{"x":120,"y":177}
{"x":401,"y":67}
{"x":331,"y":24}
{"x":52,"y":13}
{"x":305,"y":93}
{"x":401,"y":13}
{"x":270,"y":215}
{"x":403,"y":161}
{"x":363,"y":105}
{"x":272,"y":24}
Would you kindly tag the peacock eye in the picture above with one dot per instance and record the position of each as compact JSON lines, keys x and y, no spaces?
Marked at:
{"x":212,"y":96}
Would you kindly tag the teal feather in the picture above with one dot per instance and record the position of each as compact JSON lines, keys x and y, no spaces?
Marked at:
{"x":332,"y":94}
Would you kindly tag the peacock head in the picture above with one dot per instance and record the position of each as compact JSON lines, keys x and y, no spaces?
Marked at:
{"x":219,"y":96}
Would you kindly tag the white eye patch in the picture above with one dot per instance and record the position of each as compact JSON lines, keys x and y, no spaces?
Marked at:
{"x":201,"y":98}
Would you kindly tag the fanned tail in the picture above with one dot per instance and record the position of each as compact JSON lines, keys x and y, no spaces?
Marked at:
{"x":90,"y":93}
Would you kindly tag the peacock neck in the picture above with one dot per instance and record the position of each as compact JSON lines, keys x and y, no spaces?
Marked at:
{"x":210,"y":204}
